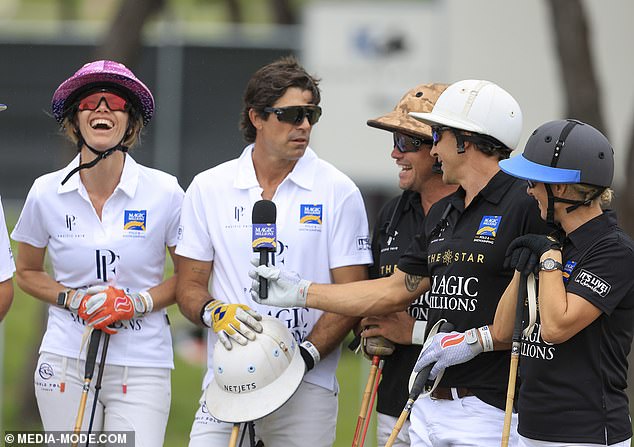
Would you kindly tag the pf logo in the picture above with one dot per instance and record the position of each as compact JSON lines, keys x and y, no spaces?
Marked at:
{"x":107,"y":261}
{"x":70,"y":222}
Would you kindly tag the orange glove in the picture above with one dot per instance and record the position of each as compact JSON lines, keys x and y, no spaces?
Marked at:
{"x":109,"y":305}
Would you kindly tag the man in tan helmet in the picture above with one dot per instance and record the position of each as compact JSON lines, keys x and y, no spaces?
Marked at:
{"x":397,"y":223}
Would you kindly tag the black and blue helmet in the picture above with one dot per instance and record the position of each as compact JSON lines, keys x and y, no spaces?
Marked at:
{"x":564,"y":151}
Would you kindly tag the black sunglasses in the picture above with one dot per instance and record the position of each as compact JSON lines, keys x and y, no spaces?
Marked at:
{"x":436,"y":133}
{"x":531,"y":184}
{"x":296,"y":114}
{"x":406,"y":143}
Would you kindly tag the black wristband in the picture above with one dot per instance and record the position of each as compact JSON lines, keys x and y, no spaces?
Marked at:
{"x":202,"y":312}
{"x":308,"y":358}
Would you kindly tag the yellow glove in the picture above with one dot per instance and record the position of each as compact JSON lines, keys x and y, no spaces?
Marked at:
{"x":237,"y":322}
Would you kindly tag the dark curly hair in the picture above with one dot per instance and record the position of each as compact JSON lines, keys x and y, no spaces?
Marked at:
{"x":269,"y":84}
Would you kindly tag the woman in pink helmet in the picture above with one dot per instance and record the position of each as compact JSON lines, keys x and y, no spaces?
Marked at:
{"x":105,"y":222}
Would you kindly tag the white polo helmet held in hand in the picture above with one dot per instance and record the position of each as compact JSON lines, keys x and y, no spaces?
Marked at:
{"x":253,"y":380}
{"x":477,"y":106}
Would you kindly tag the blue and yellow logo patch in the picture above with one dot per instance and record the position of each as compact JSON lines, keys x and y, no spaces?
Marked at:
{"x":489,"y":226}
{"x":310,"y":214}
{"x":135,"y":220}
{"x":568,"y":268}
{"x":264,"y":236}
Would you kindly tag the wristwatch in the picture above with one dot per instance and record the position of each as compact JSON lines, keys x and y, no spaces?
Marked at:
{"x":549,"y":264}
{"x":62,"y":297}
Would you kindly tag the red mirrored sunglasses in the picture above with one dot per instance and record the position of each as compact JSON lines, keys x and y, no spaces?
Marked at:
{"x":113,"y":101}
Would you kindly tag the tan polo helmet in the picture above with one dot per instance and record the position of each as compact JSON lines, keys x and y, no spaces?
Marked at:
{"x":419,"y":99}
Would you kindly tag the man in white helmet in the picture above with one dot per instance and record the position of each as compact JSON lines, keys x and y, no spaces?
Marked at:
{"x":458,"y":258}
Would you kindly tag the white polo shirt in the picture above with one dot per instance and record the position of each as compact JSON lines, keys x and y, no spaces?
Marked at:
{"x":321,"y":225}
{"x":7,"y":266}
{"x":126,"y":249}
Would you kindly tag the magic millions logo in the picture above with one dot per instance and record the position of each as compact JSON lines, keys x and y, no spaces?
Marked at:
{"x":488,"y":229}
{"x":134,"y":223}
{"x":310,"y":217}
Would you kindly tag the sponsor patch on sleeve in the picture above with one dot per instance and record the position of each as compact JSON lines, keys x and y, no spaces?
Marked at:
{"x":363,"y":243}
{"x":593,"y":282}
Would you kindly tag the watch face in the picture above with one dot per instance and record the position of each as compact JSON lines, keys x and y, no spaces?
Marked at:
{"x":549,"y":264}
{"x":61,"y":298}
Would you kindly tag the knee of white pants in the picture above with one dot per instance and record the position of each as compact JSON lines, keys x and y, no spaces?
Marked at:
{"x":384,"y":427}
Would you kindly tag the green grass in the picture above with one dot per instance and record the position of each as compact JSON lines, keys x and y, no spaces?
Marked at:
{"x":23,"y":328}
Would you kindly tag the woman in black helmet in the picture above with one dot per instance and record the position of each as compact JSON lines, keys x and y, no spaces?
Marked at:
{"x":573,"y":365}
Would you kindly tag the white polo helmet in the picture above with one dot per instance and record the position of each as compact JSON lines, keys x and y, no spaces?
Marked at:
{"x":253,"y":380}
{"x":477,"y":106}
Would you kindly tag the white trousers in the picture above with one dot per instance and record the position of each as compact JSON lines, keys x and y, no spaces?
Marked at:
{"x":143,"y":408}
{"x":527,"y":442}
{"x":466,"y":422}
{"x":309,"y":418}
{"x":384,"y":426}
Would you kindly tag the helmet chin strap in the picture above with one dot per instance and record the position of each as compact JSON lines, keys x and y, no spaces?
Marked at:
{"x":550,"y":213}
{"x":100,"y":155}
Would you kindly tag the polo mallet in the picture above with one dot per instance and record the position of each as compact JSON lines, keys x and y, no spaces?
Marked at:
{"x":235,"y":431}
{"x":363,"y":412}
{"x":375,"y":389}
{"x":515,"y":355}
{"x":91,"y":356}
{"x":102,"y":365}
{"x":417,"y":388}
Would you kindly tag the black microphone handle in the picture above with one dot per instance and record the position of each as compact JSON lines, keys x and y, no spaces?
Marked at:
{"x":264,"y":283}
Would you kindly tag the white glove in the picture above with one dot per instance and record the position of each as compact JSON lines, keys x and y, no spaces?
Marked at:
{"x":447,"y":349}
{"x":286,"y":288}
{"x":79,"y":296}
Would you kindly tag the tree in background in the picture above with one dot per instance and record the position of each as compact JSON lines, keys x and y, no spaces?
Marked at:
{"x":123,"y":40}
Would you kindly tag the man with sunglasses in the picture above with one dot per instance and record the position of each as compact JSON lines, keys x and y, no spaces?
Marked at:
{"x":397,"y":224}
{"x":322,"y":231}
{"x":458,"y":258}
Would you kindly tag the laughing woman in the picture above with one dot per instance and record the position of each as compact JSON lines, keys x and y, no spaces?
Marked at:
{"x":106,"y":222}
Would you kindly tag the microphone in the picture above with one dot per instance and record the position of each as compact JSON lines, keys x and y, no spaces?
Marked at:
{"x":264,"y":234}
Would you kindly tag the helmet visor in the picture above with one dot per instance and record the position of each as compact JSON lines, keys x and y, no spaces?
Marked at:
{"x":521,"y":167}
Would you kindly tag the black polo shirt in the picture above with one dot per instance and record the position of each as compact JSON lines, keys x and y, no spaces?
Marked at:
{"x":397,"y":224}
{"x":463,"y":259}
{"x":575,"y":391}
